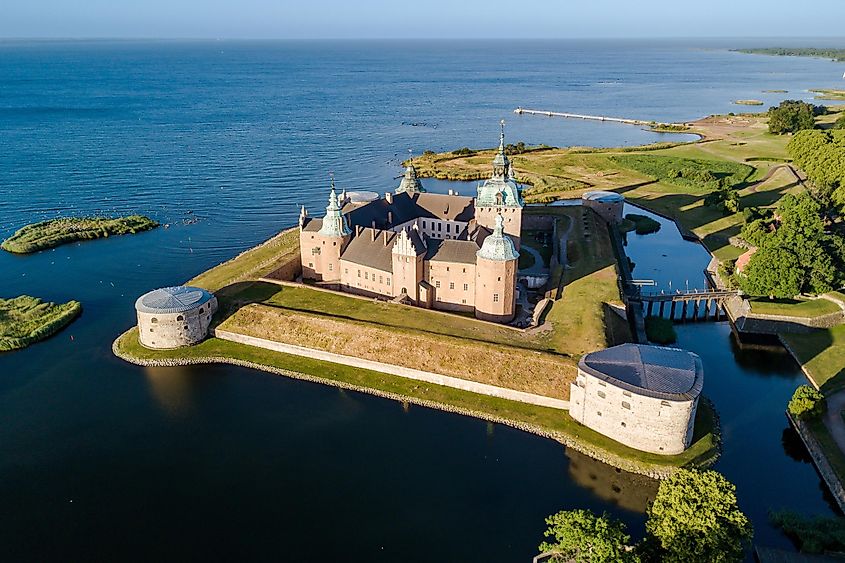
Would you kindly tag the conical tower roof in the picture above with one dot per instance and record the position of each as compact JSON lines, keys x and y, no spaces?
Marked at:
{"x":334,"y":223}
{"x":410,"y":182}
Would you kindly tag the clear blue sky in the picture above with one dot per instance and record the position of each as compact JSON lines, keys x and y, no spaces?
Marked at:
{"x":426,"y":18}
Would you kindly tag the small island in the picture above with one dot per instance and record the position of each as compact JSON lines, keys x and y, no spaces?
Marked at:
{"x":55,"y":232}
{"x":26,"y":320}
{"x":748,"y":102}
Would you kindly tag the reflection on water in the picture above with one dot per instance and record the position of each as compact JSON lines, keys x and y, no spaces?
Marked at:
{"x":174,"y":388}
{"x":625,"y":490}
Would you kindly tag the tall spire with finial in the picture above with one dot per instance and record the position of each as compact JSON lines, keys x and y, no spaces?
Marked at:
{"x":498,"y":246}
{"x":334,"y":223}
{"x":410,"y":183}
{"x":500,"y":161}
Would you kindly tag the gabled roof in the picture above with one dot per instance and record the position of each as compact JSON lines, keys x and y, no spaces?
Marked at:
{"x":365,"y":251}
{"x":407,"y":207}
{"x":451,"y":250}
{"x":653,"y":371}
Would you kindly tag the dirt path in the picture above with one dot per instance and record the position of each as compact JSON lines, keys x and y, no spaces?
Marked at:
{"x":771,"y":172}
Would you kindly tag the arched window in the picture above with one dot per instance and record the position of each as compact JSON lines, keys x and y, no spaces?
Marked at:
{"x":180,"y":318}
{"x":154,"y":320}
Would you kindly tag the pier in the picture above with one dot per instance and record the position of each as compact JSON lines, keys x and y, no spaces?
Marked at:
{"x":521,"y":111}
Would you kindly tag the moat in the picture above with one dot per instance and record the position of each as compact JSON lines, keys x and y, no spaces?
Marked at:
{"x":221,"y":461}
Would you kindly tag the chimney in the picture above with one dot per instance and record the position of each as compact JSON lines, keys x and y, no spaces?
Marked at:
{"x":388,"y":196}
{"x":390,"y":217}
{"x":385,"y":238}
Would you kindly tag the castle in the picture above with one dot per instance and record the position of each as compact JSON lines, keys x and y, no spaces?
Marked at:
{"x":446,"y":252}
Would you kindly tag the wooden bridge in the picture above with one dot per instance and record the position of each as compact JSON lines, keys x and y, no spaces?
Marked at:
{"x":703,"y":302}
{"x":521,"y":111}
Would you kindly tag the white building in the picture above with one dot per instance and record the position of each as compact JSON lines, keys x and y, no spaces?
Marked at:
{"x":172,"y":317}
{"x":642,"y":396}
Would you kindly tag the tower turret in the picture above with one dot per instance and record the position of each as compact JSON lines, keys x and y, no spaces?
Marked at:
{"x":495,"y":285}
{"x":334,"y":223}
{"x":410,"y":183}
{"x":501,"y":195}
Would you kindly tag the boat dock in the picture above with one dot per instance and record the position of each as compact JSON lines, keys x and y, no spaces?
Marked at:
{"x":521,"y":111}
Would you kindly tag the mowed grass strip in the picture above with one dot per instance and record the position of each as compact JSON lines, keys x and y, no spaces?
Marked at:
{"x":552,"y":421}
{"x":822,"y":354}
{"x":25,"y":320}
{"x":54,"y":232}
{"x":504,"y":366}
{"x":807,"y":308}
{"x":253,"y":263}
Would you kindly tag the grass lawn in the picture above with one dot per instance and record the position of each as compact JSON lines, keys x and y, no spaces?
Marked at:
{"x":254,"y":263}
{"x":530,"y":371}
{"x":822,"y":353}
{"x":589,"y":281}
{"x":25,"y":320}
{"x":552,"y":421}
{"x":793,"y":307}
{"x":54,"y":232}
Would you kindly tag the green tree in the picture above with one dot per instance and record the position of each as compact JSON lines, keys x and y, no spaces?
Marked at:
{"x":695,"y":518}
{"x":772,"y":271}
{"x":806,"y":403}
{"x":583,"y":537}
{"x":821,"y":155}
{"x":792,"y":116}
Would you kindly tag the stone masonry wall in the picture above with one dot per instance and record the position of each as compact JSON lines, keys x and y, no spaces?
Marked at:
{"x":174,"y":330}
{"x":641,"y":422}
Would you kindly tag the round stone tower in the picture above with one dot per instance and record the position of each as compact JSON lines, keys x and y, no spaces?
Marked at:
{"x":495,"y":284}
{"x":172,"y":317}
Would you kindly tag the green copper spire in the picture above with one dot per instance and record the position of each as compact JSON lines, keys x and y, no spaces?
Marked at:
{"x":500,"y":190}
{"x":334,"y":223}
{"x":410,"y":183}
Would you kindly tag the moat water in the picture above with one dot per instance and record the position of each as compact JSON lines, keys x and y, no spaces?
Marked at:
{"x":222,"y":141}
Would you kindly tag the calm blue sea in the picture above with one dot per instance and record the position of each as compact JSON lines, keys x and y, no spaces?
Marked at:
{"x":223,"y":141}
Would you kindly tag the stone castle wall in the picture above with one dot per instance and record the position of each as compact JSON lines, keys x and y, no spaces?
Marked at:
{"x":174,"y":330}
{"x":645,"y":423}
{"x":610,"y":212}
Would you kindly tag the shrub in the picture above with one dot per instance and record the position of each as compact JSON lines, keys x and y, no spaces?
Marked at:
{"x":806,"y":403}
{"x":792,"y":116}
{"x":463,"y":151}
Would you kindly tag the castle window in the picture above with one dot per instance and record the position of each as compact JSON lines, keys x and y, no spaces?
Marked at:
{"x":499,"y":278}
{"x":331,"y":267}
{"x":439,"y":226}
{"x":151,"y":330}
{"x":626,"y":393}
{"x":464,"y":301}
{"x":624,"y":425}
{"x":366,"y":275}
{"x":381,"y":279}
{"x":626,"y":405}
{"x":388,"y":281}
{"x":180,"y":318}
{"x":310,"y":264}
{"x":423,"y":224}
{"x":316,"y":250}
{"x":186,"y":327}
{"x":665,"y":404}
{"x":334,"y":243}
{"x":598,"y":413}
{"x":495,"y":298}
{"x":447,"y":227}
{"x":154,"y":320}
{"x":465,"y":270}
{"x":359,"y":273}
{"x":466,"y":286}
{"x":451,"y":285}
{"x":602,"y":383}
{"x":346,"y":271}
{"x":437,"y":284}
{"x":447,"y":268}
{"x":601,"y":394}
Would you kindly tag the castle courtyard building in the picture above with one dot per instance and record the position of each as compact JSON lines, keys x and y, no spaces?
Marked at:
{"x":640,"y":395}
{"x":442,"y":251}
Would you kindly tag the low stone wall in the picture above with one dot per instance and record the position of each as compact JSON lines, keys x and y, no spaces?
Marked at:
{"x":288,"y":271}
{"x":820,"y":460}
{"x":408,"y":373}
{"x":639,"y":468}
{"x":537,"y":222}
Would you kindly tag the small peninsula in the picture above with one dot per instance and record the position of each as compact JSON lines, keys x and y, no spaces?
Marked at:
{"x":55,"y":232}
{"x":833,"y":54}
{"x":26,"y":320}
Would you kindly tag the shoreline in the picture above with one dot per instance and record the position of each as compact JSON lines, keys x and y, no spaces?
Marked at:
{"x":597,"y":453}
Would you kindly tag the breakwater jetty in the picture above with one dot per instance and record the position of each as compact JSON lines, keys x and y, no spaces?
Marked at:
{"x":521,"y":111}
